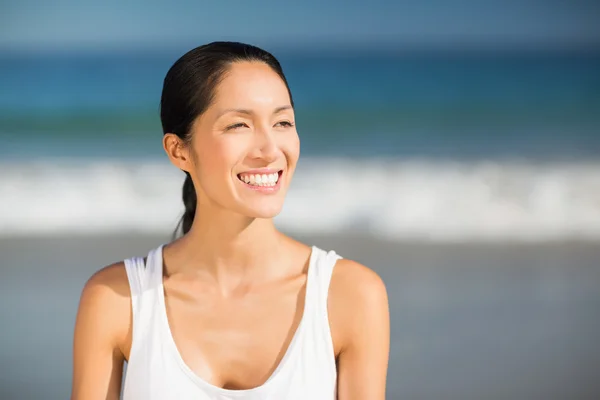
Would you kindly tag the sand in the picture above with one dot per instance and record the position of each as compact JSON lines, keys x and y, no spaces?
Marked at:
{"x":469,"y":321}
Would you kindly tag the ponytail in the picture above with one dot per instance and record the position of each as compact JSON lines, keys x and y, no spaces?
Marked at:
{"x":189,"y":201}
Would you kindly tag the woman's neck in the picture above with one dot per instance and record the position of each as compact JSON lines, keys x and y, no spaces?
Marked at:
{"x":231,"y":249}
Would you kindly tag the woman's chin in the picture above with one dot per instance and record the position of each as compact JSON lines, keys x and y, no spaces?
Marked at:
{"x":264,"y":211}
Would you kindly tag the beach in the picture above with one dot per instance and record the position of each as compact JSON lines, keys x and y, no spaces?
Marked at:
{"x":470,"y":181}
{"x":468,"y":320}
{"x":454,"y":153}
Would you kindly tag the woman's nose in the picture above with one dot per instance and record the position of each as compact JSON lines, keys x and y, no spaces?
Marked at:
{"x":265,"y":146}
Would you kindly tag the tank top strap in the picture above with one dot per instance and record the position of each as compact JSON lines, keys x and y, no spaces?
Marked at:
{"x":317,"y":336}
{"x":145,"y":277}
{"x":323,"y":265}
{"x":154,"y":267}
{"x":135,"y":269}
{"x":323,"y":270}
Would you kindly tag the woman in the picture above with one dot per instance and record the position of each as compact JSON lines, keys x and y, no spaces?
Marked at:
{"x":233,"y":309}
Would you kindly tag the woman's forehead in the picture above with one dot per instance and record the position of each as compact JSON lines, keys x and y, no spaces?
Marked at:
{"x":250,"y":84}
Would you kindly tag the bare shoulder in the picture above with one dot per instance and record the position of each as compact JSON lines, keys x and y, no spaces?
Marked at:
{"x":357,"y":298}
{"x":105,"y":304}
{"x":356,"y":284}
{"x":108,"y":284}
{"x":102,"y":335}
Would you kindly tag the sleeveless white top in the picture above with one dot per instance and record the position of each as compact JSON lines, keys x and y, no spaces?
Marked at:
{"x":156,"y":370}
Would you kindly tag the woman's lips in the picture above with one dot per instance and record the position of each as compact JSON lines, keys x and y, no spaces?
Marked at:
{"x":262,"y":182}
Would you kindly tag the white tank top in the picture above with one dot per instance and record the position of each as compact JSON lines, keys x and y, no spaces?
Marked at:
{"x":156,"y":370}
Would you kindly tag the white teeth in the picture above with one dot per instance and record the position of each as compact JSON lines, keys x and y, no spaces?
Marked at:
{"x":261,"y":179}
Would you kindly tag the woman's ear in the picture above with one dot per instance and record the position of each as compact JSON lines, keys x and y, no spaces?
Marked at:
{"x":177,"y":151}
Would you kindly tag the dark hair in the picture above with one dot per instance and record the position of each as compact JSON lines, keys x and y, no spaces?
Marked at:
{"x":189,"y":89}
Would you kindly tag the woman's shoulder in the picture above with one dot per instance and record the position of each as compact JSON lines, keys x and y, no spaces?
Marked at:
{"x":354,"y":282}
{"x":105,"y":302}
{"x":351,"y":277}
{"x":113,"y":282}
{"x":108,"y":283}
{"x":357,"y":298}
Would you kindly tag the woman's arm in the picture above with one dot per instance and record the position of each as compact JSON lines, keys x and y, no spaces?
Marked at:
{"x":359,"y":317}
{"x":101,"y":328}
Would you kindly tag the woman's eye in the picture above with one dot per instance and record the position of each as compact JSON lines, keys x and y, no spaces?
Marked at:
{"x":236,"y":126}
{"x":285,"y":124}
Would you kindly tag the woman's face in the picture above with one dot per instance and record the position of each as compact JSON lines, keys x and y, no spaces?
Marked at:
{"x":245,"y":147}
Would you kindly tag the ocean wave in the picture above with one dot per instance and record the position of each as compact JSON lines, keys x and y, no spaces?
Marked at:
{"x":396,"y":199}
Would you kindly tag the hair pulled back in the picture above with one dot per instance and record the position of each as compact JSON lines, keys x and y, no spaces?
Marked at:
{"x":189,"y":89}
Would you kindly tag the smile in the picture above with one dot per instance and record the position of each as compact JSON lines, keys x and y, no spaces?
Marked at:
{"x":261,"y":181}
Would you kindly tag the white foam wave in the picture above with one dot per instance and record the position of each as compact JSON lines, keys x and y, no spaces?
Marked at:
{"x":428,"y":200}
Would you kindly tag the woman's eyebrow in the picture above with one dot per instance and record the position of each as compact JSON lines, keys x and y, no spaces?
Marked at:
{"x":250,"y":112}
{"x":282,"y":108}
{"x":235,"y":110}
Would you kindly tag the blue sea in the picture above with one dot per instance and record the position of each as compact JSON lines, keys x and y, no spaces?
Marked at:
{"x":438,"y":145}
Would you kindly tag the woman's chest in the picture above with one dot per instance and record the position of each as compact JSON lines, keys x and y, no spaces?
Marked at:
{"x":154,"y":374}
{"x":235,"y":343}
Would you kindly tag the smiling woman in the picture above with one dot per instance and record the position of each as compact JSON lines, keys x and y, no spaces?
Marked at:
{"x":232,"y":308}
{"x":240,"y":116}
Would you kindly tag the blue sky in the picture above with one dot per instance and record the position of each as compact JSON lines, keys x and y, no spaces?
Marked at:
{"x":71,"y":24}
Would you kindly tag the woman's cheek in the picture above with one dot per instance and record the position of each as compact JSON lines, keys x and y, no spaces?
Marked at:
{"x":291,"y":146}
